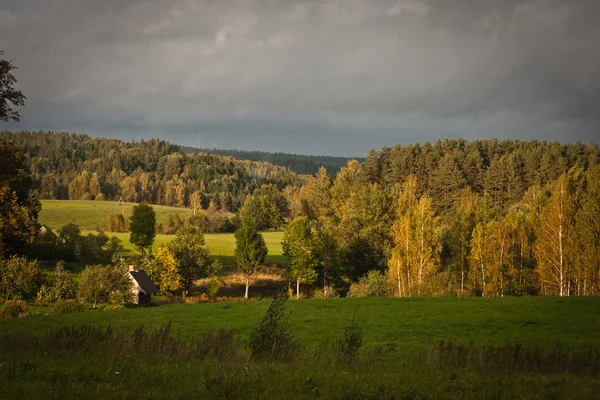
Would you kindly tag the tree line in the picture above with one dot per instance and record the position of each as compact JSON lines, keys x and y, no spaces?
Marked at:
{"x":485,"y":218}
{"x":299,"y":163}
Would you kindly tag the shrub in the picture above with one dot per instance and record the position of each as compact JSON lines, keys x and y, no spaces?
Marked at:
{"x":374,"y":284}
{"x":65,"y":306}
{"x":60,"y":285}
{"x":330,"y":293}
{"x":351,"y":342}
{"x":100,"y":197}
{"x":271,"y":339}
{"x":19,"y":277}
{"x":14,"y":308}
{"x":212,"y":288}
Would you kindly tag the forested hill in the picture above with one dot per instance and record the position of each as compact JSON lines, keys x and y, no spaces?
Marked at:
{"x":76,"y":166}
{"x":299,"y":163}
{"x":502,"y":169}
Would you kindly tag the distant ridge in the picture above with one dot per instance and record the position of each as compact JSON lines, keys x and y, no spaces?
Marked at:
{"x":299,"y":163}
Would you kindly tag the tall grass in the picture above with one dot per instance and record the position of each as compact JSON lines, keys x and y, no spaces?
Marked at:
{"x":94,"y":362}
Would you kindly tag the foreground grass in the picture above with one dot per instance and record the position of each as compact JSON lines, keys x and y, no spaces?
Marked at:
{"x":402,"y":359}
{"x":398,"y":324}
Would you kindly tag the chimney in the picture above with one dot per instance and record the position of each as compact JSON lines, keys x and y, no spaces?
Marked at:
{"x":131,"y":268}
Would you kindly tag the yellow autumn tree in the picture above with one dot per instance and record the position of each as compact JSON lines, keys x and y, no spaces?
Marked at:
{"x":169,"y":277}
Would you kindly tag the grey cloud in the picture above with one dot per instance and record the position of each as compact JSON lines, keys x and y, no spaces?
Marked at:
{"x":337,"y":77}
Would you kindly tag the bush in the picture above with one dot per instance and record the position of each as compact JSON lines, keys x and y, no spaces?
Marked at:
{"x":65,"y":306}
{"x":271,"y":339}
{"x":19,"y":277}
{"x":330,"y":293}
{"x":351,"y":342}
{"x":14,"y":308}
{"x":374,"y":284}
{"x":212,"y":288}
{"x":100,"y":197}
{"x":60,"y":285}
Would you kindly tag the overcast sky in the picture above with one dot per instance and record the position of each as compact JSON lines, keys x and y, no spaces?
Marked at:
{"x":331,"y":77}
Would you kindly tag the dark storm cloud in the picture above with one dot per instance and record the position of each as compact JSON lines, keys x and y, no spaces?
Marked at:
{"x":335,"y":77}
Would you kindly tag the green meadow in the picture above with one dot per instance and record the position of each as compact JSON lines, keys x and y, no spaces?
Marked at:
{"x":89,"y":215}
{"x":442,"y":348}
{"x":401,"y":324}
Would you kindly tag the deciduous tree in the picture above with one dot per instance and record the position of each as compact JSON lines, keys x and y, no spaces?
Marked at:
{"x":298,"y":246}
{"x":191,"y":255}
{"x":18,"y":208}
{"x":9,"y":96}
{"x":250,"y":252}
{"x":142,"y":226}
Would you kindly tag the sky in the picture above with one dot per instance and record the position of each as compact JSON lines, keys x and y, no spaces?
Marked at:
{"x":335,"y":77}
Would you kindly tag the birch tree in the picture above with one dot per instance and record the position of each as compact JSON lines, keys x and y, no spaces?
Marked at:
{"x":555,"y":232}
{"x":400,"y":262}
{"x":427,"y":242}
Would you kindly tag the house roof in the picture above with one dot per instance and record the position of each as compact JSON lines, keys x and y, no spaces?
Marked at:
{"x":145,"y":283}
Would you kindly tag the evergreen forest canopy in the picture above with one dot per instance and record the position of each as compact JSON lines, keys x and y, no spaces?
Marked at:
{"x":487,"y":217}
{"x":299,"y":163}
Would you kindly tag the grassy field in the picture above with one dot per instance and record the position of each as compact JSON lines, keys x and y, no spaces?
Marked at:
{"x":402,"y":324}
{"x":402,"y":356}
{"x":89,"y":215}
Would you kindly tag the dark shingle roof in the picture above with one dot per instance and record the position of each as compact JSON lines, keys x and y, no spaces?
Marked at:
{"x":146,"y":284}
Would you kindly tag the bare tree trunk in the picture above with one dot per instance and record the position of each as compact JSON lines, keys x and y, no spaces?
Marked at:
{"x":297,"y":289}
{"x":407,"y":268}
{"x":247,"y":286}
{"x":502,"y":269}
{"x":399,"y":279}
{"x":462,"y":268}
{"x":482,"y":277}
{"x":421,"y":260}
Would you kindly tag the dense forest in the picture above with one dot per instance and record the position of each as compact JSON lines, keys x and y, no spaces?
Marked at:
{"x":299,"y":163}
{"x":487,"y":218}
{"x":76,"y":166}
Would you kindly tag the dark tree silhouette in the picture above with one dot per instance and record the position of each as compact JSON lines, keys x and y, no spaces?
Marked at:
{"x":9,"y":96}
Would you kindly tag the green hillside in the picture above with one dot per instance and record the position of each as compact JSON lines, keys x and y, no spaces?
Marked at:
{"x":90,"y":215}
